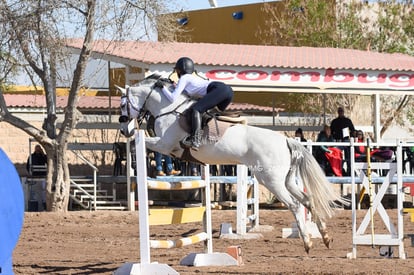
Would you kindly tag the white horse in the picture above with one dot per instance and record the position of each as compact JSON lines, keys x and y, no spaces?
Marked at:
{"x":274,"y":160}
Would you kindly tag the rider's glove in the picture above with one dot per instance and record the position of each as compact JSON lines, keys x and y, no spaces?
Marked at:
{"x":159,"y":84}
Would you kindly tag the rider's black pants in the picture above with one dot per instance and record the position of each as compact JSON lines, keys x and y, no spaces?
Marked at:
{"x":218,"y":94}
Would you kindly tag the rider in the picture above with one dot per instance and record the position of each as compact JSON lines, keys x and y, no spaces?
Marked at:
{"x":211,"y":94}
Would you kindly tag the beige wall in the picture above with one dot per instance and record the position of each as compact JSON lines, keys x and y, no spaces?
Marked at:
{"x":15,"y":143}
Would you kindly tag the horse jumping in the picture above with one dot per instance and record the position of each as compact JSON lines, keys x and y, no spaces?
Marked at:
{"x":274,"y":159}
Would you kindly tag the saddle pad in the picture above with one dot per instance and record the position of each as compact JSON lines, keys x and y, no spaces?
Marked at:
{"x":215,"y":129}
{"x":237,"y":120}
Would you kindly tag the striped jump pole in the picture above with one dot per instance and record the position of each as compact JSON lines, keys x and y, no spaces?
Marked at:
{"x":247,"y":223}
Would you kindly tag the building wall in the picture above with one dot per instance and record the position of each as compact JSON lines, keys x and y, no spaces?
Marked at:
{"x":219,"y":25}
{"x":15,"y":143}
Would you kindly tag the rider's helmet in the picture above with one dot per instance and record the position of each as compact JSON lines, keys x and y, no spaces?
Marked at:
{"x":184,"y":66}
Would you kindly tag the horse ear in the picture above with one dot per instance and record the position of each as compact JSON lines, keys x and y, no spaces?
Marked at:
{"x":122,"y":90}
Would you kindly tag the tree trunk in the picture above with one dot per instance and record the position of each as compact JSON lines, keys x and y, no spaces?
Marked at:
{"x":397,"y":112}
{"x":58,"y":180}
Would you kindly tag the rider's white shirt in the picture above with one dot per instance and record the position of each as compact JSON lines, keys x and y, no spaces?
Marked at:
{"x":194,"y":86}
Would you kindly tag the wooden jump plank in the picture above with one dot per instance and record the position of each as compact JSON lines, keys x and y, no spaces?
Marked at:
{"x":176,"y":216}
{"x":411,"y":212}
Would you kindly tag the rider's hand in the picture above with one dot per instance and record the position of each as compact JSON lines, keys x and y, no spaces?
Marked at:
{"x":159,"y":84}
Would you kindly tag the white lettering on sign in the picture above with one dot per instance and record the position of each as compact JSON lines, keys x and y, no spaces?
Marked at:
{"x":384,"y":80}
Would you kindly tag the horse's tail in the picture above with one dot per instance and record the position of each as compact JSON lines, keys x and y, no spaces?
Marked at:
{"x":322,"y":196}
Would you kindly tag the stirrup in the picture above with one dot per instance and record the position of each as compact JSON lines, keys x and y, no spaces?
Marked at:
{"x":187,"y":142}
{"x":196,"y":139}
{"x":190,"y":142}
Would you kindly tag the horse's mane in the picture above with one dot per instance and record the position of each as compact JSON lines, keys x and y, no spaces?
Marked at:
{"x":151,"y":79}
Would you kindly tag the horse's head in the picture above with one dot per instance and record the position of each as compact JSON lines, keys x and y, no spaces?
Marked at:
{"x":134,"y":104}
{"x":126,"y":121}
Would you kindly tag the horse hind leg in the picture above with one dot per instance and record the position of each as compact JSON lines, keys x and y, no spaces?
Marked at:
{"x":304,"y":199}
{"x":327,"y":240}
{"x":295,"y":191}
{"x":278,"y":185}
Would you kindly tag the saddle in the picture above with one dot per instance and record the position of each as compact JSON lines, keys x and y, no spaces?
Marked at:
{"x":214,"y":123}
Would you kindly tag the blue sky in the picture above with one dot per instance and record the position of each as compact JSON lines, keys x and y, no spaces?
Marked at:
{"x":204,"y":4}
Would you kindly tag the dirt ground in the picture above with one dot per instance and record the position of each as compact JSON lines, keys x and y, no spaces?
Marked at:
{"x":86,"y":242}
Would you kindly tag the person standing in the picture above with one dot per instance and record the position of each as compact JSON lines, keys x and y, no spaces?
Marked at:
{"x":37,"y":158}
{"x":299,"y":135}
{"x":341,"y":128}
{"x":168,"y":163}
{"x":36,"y":166}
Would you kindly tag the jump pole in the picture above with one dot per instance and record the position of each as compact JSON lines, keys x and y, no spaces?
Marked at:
{"x":145,"y":266}
{"x":247,"y":224}
{"x":197,"y":259}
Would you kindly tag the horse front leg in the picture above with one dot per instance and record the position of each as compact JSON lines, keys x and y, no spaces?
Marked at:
{"x":152,"y":141}
{"x":159,"y":145}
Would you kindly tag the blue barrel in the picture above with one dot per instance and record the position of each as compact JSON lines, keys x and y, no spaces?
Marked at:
{"x":11,"y":212}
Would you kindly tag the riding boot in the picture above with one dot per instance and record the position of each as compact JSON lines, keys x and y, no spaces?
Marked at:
{"x":196,"y":133}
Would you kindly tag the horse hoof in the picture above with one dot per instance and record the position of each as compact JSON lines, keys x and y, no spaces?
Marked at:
{"x":308,"y":246}
{"x":327,"y":241}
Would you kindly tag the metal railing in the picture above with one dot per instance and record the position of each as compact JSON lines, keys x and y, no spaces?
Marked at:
{"x":95,"y":177}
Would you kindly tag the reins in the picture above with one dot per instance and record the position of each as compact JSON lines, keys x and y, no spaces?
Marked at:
{"x":174,"y":111}
{"x":142,"y":111}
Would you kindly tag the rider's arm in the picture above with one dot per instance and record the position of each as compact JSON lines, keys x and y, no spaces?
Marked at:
{"x":172,"y":96}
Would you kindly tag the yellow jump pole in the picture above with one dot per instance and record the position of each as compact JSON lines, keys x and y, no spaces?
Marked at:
{"x":370,"y":191}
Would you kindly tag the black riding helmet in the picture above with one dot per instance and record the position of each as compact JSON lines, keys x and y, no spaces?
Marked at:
{"x":184,"y":66}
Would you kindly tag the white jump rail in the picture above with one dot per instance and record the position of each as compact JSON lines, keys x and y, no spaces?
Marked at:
{"x":395,"y":234}
{"x":208,"y":258}
{"x":247,"y":221}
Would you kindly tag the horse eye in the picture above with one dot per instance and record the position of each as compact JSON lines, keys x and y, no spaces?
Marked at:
{"x":123,"y":119}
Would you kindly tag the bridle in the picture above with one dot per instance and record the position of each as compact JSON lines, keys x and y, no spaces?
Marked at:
{"x":142,"y":112}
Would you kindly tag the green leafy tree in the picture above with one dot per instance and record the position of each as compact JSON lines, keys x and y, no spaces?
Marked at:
{"x":383,"y":26}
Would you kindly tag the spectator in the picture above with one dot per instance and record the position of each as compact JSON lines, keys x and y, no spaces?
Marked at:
{"x":360,"y":151}
{"x":299,"y":134}
{"x":36,"y":166}
{"x":329,"y":158}
{"x":341,"y":128}
{"x":323,"y":136}
{"x":169,"y":165}
{"x":379,"y":154}
{"x":37,"y":158}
